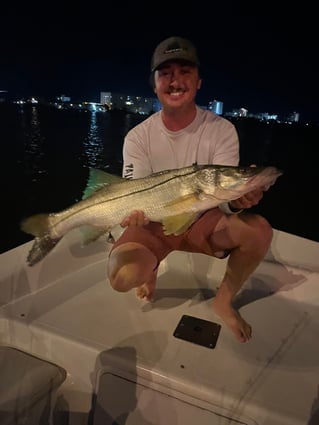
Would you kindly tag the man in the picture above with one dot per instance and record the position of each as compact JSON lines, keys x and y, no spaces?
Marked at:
{"x":182,"y":134}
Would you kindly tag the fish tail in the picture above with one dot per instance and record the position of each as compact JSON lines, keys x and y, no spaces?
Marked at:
{"x":40,"y":248}
{"x":36,"y":225}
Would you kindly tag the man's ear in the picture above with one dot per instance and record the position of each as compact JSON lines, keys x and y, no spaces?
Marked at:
{"x":199,"y":84}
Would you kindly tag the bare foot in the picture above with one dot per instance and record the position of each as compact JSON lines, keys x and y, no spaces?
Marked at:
{"x":231,"y":317}
{"x":146,"y":291}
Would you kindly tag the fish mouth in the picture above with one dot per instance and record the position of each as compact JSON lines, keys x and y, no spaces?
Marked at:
{"x":265,"y":178}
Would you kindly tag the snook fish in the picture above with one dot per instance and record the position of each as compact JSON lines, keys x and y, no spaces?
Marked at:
{"x":175,"y":198}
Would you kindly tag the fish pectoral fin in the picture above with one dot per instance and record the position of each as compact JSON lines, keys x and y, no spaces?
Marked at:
{"x":91,"y":234}
{"x":183,"y":201}
{"x":179,"y":223}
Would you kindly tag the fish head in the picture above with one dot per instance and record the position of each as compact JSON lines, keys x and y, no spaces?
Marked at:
{"x":231,"y":182}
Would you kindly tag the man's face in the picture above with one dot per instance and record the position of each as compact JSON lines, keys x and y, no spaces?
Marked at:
{"x":176,"y":84}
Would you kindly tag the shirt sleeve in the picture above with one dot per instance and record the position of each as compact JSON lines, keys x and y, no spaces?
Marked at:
{"x":227,"y":146}
{"x":136,"y":163}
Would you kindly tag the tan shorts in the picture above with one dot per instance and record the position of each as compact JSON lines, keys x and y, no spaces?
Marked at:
{"x":196,"y":239}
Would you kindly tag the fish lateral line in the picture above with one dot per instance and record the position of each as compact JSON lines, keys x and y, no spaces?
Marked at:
{"x":138,"y":190}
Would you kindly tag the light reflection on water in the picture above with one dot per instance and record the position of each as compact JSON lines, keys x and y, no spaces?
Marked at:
{"x":47,"y":156}
{"x":52,"y":141}
{"x":33,"y":143}
{"x":93,"y":143}
{"x":103,"y":140}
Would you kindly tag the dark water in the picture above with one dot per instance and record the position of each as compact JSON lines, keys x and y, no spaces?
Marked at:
{"x":46,"y":154}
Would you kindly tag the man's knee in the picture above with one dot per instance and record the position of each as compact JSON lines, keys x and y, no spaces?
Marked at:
{"x":129,"y":266}
{"x":263,"y":227}
{"x":260,"y":230}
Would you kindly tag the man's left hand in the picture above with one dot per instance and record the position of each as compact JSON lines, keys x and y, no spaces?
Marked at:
{"x":248,"y":200}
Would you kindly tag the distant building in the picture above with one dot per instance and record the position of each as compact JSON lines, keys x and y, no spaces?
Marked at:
{"x":134,"y":104}
{"x":265,"y":116}
{"x":63,"y":98}
{"x":241,"y":112}
{"x":216,"y":106}
{"x":106,"y":99}
{"x":293,"y":117}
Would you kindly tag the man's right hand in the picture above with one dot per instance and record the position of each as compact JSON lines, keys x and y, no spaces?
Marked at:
{"x":136,"y":218}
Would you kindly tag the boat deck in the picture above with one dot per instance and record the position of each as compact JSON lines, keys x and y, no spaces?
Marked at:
{"x":123,"y":360}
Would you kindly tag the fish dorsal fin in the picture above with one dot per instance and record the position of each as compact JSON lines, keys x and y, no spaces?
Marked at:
{"x":177,"y":224}
{"x":98,"y":179}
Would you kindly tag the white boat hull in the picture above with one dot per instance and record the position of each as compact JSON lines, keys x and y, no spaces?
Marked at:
{"x":122,"y":359}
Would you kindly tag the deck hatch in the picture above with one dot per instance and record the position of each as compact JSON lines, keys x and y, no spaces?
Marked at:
{"x":198,"y":331}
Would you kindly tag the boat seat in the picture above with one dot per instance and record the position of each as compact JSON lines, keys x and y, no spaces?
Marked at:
{"x":27,"y":387}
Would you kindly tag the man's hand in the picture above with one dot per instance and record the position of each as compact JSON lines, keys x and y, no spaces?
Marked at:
{"x":136,"y":218}
{"x":248,"y":200}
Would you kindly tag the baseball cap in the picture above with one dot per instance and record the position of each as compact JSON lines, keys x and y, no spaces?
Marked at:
{"x":174,"y":48}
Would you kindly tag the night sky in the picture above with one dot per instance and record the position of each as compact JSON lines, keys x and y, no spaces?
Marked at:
{"x":262,"y":63}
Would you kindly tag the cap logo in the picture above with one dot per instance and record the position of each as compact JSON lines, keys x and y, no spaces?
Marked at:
{"x":173,"y":48}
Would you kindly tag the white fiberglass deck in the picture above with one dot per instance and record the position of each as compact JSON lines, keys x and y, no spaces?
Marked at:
{"x":123,"y":360}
